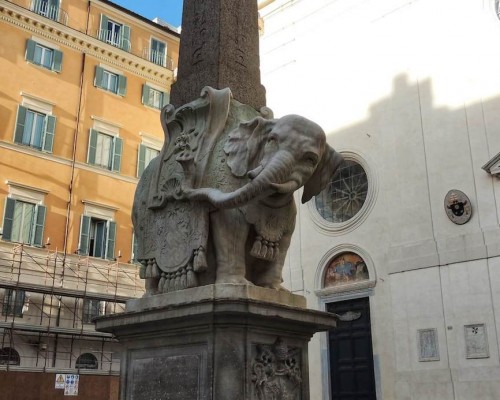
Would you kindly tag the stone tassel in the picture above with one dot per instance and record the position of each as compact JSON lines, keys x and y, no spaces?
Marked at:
{"x":177,"y":280}
{"x":276,"y":250}
{"x":191,"y":280}
{"x":257,"y":247}
{"x":183,"y":283}
{"x":270,"y":251}
{"x":200,"y":260}
{"x":263,"y":250}
{"x":161,"y":284}
{"x":171,"y":282}
{"x":154,"y":270}
{"x":149,"y":267}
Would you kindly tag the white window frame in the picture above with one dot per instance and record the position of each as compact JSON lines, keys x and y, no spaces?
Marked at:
{"x":153,"y":57}
{"x":114,"y":38}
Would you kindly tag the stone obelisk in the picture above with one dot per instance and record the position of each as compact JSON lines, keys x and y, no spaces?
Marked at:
{"x":219,"y":48}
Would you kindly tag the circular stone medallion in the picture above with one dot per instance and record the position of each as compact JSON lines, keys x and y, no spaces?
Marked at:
{"x":457,"y":206}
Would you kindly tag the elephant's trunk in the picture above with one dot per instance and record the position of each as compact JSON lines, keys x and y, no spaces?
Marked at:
{"x":275,"y":172}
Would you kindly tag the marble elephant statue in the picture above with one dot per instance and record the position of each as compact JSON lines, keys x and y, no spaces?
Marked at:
{"x":217,"y":205}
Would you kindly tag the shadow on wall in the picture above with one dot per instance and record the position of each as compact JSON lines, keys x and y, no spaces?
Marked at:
{"x":420,"y":151}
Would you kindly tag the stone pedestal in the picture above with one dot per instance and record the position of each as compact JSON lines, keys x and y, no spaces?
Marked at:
{"x":216,"y":342}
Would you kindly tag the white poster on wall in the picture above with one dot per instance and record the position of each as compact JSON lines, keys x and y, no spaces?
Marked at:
{"x":60,"y":381}
{"x":71,"y":385}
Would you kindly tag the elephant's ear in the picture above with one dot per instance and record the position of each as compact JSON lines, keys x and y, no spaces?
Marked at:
{"x":325,"y":170}
{"x":245,"y":144}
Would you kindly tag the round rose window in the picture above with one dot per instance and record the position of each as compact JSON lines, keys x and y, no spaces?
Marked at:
{"x":344,"y":196}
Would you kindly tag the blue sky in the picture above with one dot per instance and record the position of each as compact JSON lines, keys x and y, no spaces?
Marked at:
{"x":168,"y":10}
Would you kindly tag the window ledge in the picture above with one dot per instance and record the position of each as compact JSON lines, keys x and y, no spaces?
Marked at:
{"x":43,"y":67}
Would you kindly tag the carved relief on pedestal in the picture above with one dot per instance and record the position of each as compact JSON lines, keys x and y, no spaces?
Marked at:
{"x":276,"y":373}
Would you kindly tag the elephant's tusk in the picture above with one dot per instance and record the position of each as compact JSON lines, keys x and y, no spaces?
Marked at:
{"x":286,"y":187}
{"x":254,"y":172}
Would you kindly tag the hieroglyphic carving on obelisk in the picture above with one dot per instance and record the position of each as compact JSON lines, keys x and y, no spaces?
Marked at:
{"x":219,"y":48}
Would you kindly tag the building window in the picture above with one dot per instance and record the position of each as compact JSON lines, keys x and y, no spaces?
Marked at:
{"x":146,"y":154}
{"x":86,"y":361}
{"x":13,"y":302}
{"x":23,"y":222}
{"x":344,"y":196}
{"x":9,"y":356}
{"x":46,"y":8}
{"x":105,"y":150}
{"x":97,"y":237}
{"x":110,"y":81}
{"x":44,"y":56}
{"x":153,"y":97}
{"x":158,"y":52}
{"x":91,"y":309}
{"x":114,"y":33}
{"x":35,"y":129}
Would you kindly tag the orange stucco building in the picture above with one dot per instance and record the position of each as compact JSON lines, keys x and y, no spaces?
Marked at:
{"x":82,"y":89}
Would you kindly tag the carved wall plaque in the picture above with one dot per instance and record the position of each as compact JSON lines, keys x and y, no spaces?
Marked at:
{"x":428,"y":347}
{"x":167,"y":373}
{"x":457,"y":206}
{"x":476,"y":341}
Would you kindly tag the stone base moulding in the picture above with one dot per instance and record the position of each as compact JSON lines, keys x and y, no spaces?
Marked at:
{"x":216,"y":342}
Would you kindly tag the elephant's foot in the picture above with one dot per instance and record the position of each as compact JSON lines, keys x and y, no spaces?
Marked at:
{"x":233,"y":279}
{"x":275,"y":286}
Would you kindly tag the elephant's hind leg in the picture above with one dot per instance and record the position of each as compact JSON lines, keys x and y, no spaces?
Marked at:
{"x":229,"y":232}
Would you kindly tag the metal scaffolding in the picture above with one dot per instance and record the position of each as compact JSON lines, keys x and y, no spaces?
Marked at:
{"x":48,"y":301}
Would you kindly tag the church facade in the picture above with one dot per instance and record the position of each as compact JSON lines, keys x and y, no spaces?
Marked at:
{"x":405,"y":241}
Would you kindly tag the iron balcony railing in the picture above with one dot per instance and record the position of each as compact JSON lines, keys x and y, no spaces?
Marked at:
{"x":52,"y":12}
{"x":114,"y":39}
{"x":158,"y":57}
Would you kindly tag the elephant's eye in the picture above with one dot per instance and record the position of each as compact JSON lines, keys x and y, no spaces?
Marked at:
{"x":311,"y":158}
{"x":272,"y":139}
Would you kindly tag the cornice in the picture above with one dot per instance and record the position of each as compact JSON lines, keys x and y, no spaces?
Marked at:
{"x":493,"y":166}
{"x":69,"y":37}
{"x":79,"y":165}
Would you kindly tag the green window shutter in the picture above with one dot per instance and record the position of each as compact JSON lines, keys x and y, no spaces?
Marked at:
{"x":122,"y":85}
{"x":145,"y":94}
{"x":48,"y":137}
{"x":57,"y":61}
{"x":110,"y":240}
{"x":92,"y":146}
{"x":21,"y":120}
{"x":117,"y":154}
{"x":8,"y":218}
{"x":141,"y":162}
{"x":38,"y":226}
{"x":125,"y":38}
{"x":104,"y":28}
{"x":83,"y":244}
{"x":30,"y":50}
{"x":165,"y":99}
{"x":99,"y":72}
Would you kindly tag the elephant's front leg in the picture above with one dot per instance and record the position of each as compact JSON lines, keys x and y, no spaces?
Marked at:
{"x":269,"y":273}
{"x":229,"y":232}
